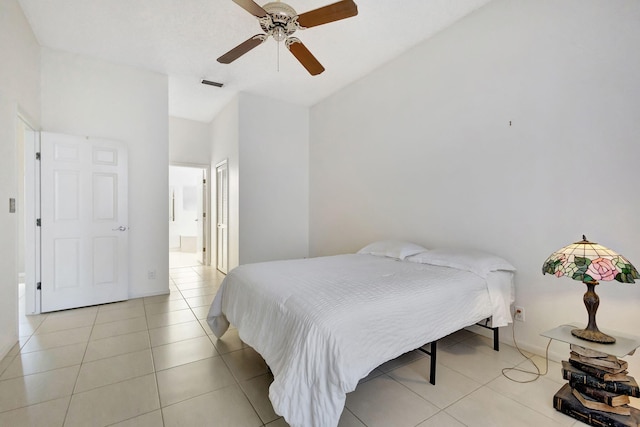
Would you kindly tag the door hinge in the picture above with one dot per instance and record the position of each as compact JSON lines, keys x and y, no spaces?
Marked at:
{"x":204,"y":249}
{"x":38,"y":155}
{"x":39,"y":285}
{"x":204,"y":181}
{"x":204,"y":214}
{"x":38,"y":223}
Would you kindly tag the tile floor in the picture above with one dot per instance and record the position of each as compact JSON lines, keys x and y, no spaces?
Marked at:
{"x":154,"y":362}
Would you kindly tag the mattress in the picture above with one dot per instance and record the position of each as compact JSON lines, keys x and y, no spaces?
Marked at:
{"x":322,"y":324}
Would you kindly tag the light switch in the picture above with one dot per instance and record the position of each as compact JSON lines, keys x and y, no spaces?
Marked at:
{"x":12,"y":205}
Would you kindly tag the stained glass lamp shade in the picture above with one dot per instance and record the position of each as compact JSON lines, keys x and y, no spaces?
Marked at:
{"x":590,"y":263}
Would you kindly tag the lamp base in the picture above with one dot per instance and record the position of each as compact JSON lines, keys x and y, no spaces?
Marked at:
{"x":593,"y":336}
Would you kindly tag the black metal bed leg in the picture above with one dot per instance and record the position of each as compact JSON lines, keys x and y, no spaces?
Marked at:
{"x":496,"y":333}
{"x":432,"y":373}
{"x":432,"y":354}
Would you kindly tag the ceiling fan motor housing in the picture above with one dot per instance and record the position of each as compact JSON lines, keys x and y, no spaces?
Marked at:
{"x":280,"y":21}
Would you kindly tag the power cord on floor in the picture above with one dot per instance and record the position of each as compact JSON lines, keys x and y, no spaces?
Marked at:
{"x":537,"y":374}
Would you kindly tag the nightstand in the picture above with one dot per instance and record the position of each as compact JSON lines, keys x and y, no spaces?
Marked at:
{"x":624,"y":345}
{"x":592,"y":389}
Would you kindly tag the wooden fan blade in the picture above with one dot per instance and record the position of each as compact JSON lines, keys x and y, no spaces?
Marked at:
{"x":242,"y":48}
{"x":251,"y":7}
{"x":324,"y":15}
{"x":305,"y":57}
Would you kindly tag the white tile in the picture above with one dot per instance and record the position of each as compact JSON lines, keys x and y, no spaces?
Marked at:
{"x":173,"y":295}
{"x":347,"y":419}
{"x":507,"y":353}
{"x":257,"y":390}
{"x":114,"y":346}
{"x":200,"y":312}
{"x":229,"y":342}
{"x":200,"y":301}
{"x":550,"y":369}
{"x":536,"y":395}
{"x":150,"y":419}
{"x":114,"y":369}
{"x":487,"y":408}
{"x":6,"y":361}
{"x":175,"y":333}
{"x":67,"y":320}
{"x":112,"y":315}
{"x":170,"y":318}
{"x":175,"y":354}
{"x":450,"y":385}
{"x":193,"y":379}
{"x":57,"y":339}
{"x":137,"y":302}
{"x":182,"y":286}
{"x":166,"y":306}
{"x":206,"y":327}
{"x":477,"y":365}
{"x":46,"y":414}
{"x":82,"y":311}
{"x":401,"y":360}
{"x":229,"y":407}
{"x":280,"y":422}
{"x":186,"y":279}
{"x":441,"y":419}
{"x":375,"y":373}
{"x":27,"y":325}
{"x":205,"y":290}
{"x":384,"y":402}
{"x":31,"y":389}
{"x":113,"y":403}
{"x":245,"y":363}
{"x":119,"y":327}
{"x":45,"y":360}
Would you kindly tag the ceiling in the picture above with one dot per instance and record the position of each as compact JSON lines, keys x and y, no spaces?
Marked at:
{"x":183,"y":38}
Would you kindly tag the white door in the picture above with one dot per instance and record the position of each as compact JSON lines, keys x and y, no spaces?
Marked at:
{"x":201,"y":218}
{"x":222,"y":217}
{"x":84,"y":221}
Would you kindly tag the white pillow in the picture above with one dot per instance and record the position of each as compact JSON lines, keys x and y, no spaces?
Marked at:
{"x":392,"y":248}
{"x":478,"y":262}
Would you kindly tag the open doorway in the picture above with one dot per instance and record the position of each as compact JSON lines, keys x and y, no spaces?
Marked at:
{"x":188,"y":216}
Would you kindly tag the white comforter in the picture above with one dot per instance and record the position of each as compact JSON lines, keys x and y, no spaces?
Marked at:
{"x":322,"y":324}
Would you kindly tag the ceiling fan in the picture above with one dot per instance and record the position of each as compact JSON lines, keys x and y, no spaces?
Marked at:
{"x":280,"y":21}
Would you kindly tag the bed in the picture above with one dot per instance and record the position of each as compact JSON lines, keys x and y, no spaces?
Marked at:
{"x":321,"y":324}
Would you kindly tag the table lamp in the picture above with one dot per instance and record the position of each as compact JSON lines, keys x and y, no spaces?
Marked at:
{"x":590,"y":263}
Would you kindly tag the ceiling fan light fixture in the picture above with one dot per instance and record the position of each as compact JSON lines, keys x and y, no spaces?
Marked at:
{"x":279,"y":9}
{"x":280,"y":21}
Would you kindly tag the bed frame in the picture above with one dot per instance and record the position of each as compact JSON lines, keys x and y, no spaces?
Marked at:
{"x":433,"y":347}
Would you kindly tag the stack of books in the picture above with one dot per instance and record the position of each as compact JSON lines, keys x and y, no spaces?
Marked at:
{"x":598,"y":390}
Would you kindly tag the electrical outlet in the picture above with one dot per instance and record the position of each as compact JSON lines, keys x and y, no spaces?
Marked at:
{"x":519,"y":314}
{"x":151,"y":274}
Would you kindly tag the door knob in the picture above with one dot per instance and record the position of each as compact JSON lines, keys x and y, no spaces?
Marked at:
{"x":121,"y":228}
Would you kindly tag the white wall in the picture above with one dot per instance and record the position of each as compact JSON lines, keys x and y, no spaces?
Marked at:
{"x":224,"y":146}
{"x":274,"y":180}
{"x":85,"y":96}
{"x":189,"y":141}
{"x":19,"y":93}
{"x":266,"y":143}
{"x":514,"y":131}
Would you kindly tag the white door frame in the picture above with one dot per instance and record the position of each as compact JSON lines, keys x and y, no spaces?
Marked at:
{"x":31,"y":214}
{"x":224,"y":266}
{"x":206,"y":205}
